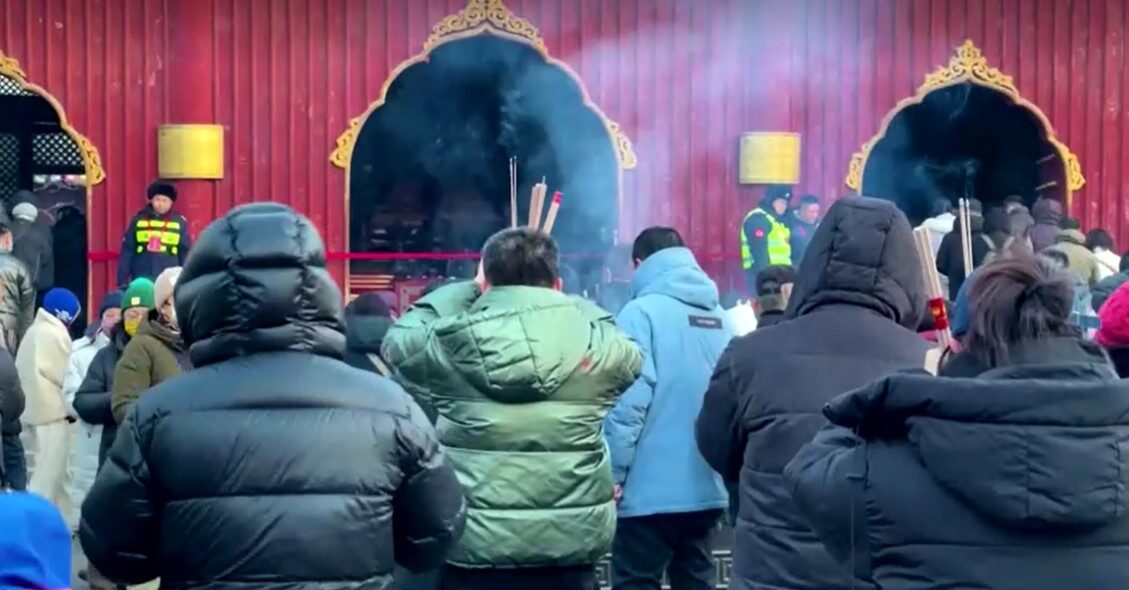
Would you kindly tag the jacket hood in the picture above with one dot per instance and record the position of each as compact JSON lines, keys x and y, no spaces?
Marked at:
{"x":256,"y":281}
{"x":1030,"y":446}
{"x":153,"y":326}
{"x":519,"y":344}
{"x":1071,"y":235}
{"x":366,"y":333}
{"x":675,"y":272}
{"x":863,"y":254}
{"x":1047,"y":211}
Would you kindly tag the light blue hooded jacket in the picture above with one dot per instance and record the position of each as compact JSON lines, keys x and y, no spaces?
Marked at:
{"x":675,"y":319}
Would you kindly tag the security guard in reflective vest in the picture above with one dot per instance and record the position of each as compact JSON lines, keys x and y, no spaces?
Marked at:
{"x":765,"y":238}
{"x":156,"y":238}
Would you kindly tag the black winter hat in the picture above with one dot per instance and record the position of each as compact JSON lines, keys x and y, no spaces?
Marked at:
{"x":160,"y":187}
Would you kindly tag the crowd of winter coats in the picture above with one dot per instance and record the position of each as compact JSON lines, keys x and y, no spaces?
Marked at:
{"x":525,"y":433}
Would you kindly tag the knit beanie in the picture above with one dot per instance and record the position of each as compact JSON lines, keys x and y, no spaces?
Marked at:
{"x":62,"y":304}
{"x":25,"y":211}
{"x":1114,"y":318}
{"x":164,"y":285}
{"x":139,"y":293}
{"x":35,"y":549}
{"x":160,"y":188}
{"x":111,"y":300}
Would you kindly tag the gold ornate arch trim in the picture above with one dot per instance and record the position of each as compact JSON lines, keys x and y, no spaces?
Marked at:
{"x":968,"y":65}
{"x":91,"y":161}
{"x":478,"y":17}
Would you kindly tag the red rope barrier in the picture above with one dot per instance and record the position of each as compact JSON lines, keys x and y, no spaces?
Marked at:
{"x":108,"y":256}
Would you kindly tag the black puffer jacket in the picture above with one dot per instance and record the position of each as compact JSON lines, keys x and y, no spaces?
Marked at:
{"x":92,"y":399}
{"x":857,"y":298}
{"x":272,"y":464}
{"x":1015,"y":480}
{"x":11,"y":396}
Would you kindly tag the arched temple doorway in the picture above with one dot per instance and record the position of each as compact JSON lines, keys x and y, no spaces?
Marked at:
{"x":966,"y":131}
{"x":428,"y":162}
{"x":41,"y":152}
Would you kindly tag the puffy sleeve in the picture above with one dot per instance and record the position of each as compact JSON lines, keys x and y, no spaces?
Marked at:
{"x":405,"y":346}
{"x":120,"y":523}
{"x":429,"y":507}
{"x":624,"y":424}
{"x":828,"y":478}
{"x":93,"y":400}
{"x":613,"y":360}
{"x":719,"y":429}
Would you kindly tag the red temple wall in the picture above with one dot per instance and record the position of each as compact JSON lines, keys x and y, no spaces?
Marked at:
{"x":683,"y":77}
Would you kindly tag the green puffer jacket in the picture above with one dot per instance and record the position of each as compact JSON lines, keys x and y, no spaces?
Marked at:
{"x":522,"y":378}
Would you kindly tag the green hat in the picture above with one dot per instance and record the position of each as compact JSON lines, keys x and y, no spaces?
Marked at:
{"x":139,"y":293}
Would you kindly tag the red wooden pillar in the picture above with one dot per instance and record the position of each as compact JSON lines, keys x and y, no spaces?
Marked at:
{"x":191,"y":93}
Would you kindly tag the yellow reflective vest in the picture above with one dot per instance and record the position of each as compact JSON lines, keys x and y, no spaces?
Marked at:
{"x":778,"y":239}
{"x":151,"y":244}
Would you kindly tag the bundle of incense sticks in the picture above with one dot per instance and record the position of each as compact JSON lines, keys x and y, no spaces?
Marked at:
{"x":536,"y":202}
{"x":551,"y":218}
{"x":513,"y":192}
{"x":933,"y":292}
{"x":966,"y":236}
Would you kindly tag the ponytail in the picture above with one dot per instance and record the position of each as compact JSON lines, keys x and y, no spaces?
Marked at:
{"x":1014,"y":300}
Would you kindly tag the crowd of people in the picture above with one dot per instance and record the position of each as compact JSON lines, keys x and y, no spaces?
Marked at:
{"x":253,"y":431}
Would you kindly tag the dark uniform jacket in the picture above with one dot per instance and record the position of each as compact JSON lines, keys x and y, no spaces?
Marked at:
{"x":857,"y":299}
{"x":151,"y":244}
{"x":272,"y":464}
{"x":1015,"y":480}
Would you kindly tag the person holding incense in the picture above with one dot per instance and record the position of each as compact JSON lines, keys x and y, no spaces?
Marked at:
{"x":857,"y":300}
{"x":522,"y":377}
{"x":950,"y":261}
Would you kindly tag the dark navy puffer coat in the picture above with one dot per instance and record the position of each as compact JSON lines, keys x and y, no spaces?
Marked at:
{"x":857,"y":298}
{"x":272,"y":464}
{"x":1015,"y":480}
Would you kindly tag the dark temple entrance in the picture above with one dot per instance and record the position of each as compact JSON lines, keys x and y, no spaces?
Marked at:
{"x":962,"y":139}
{"x":430,"y":169}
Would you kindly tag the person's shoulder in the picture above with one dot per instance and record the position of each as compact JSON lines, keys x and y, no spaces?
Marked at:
{"x":143,"y":213}
{"x":11,"y":264}
{"x":280,"y":382}
{"x":753,"y":346}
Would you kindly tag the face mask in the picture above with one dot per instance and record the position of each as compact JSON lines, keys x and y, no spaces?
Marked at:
{"x":130,"y":325}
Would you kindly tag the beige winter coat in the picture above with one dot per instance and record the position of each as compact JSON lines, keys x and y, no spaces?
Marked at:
{"x":41,"y":362}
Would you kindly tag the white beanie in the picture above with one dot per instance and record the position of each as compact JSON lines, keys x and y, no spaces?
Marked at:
{"x":25,"y":211}
{"x":164,"y":285}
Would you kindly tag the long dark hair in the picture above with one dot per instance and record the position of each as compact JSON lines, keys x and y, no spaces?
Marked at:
{"x":1014,"y":300}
